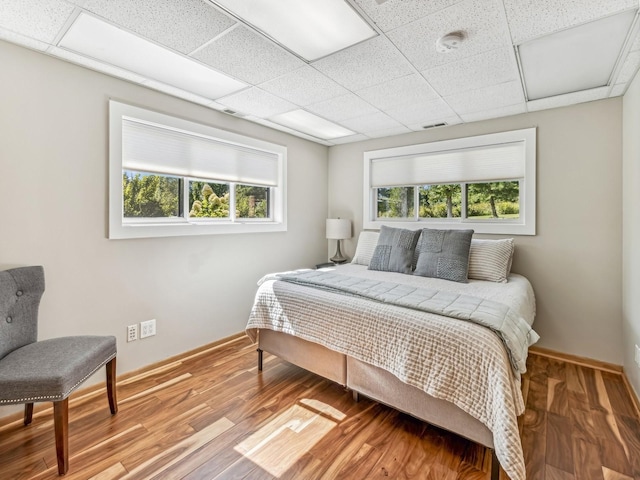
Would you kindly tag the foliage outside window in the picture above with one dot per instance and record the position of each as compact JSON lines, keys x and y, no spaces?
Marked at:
{"x":486,"y":183}
{"x":440,"y":201}
{"x":493,"y":200}
{"x":147,"y":195}
{"x":169,"y":176}
{"x":252,"y":201}
{"x":395,"y":202}
{"x":208,"y":200}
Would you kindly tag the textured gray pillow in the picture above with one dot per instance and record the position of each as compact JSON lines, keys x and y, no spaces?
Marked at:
{"x":444,"y":254}
{"x":394,"y":251}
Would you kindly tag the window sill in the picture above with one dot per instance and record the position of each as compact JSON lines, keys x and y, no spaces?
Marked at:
{"x":488,"y":227}
{"x":148,"y":230}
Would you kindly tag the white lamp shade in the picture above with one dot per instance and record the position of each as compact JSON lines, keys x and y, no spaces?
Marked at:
{"x":338,"y":228}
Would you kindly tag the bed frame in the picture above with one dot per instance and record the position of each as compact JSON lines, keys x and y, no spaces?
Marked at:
{"x":377,"y":384}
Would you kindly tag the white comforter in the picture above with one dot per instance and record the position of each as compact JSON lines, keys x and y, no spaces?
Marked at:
{"x":455,"y":360}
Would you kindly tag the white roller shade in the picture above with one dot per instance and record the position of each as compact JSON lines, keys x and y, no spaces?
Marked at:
{"x":489,"y":163}
{"x":154,"y":148}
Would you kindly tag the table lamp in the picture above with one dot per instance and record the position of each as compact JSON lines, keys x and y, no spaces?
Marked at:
{"x":338,"y":229}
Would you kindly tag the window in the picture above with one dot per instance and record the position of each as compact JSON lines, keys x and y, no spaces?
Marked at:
{"x":486,"y":183}
{"x":170,"y":176}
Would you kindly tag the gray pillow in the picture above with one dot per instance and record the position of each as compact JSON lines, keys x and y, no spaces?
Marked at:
{"x":394,"y":251}
{"x":444,"y":254}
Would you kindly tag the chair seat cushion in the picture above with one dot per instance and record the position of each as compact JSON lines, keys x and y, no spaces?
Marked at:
{"x":50,"y":370}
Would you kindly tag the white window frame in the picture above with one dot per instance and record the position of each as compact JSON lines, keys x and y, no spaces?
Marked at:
{"x":121,"y":228}
{"x":524,"y":225}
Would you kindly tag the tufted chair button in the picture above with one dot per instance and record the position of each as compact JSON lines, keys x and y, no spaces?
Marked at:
{"x":19,"y":293}
{"x":9,"y":319}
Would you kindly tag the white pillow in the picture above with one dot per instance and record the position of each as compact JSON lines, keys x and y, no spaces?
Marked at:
{"x":490,"y":259}
{"x":367,"y":242}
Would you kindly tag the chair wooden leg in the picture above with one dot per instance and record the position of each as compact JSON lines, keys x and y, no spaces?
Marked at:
{"x":61,"y":427}
{"x":28,"y":413}
{"x":111,"y":386}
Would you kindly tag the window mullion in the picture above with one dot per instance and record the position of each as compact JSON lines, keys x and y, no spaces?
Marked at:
{"x":463,"y":201}
{"x":186,"y":208}
{"x":232,"y":201}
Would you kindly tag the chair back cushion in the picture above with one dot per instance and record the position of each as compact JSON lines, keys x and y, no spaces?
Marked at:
{"x":20,"y":292}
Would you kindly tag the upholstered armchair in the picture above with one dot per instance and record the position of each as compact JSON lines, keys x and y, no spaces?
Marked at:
{"x":49,"y":370}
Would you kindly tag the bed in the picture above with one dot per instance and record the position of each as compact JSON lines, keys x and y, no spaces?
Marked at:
{"x":361,"y":328}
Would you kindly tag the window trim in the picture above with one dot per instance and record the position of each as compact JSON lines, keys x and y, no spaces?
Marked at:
{"x":525,"y":225}
{"x":119,"y":228}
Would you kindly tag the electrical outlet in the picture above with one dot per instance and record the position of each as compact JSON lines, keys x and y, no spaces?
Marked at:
{"x":148,"y":328}
{"x":132,"y":333}
{"x":638,"y":356}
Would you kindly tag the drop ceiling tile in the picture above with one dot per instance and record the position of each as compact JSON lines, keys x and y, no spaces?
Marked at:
{"x":256,"y":102}
{"x":96,"y":65}
{"x":529,"y":19}
{"x":394,"y":13}
{"x":487,"y":98}
{"x":495,"y":113}
{"x":368,"y":63}
{"x":404,"y":90}
{"x":304,"y":86}
{"x":351,"y":138}
{"x":471,"y":73}
{"x":629,"y":67}
{"x":425,"y":113}
{"x":177,"y":92}
{"x":282,"y":128}
{"x":36,"y":19}
{"x":568,"y":99}
{"x":23,"y":40}
{"x":182,"y":26}
{"x":482,"y":22}
{"x":388,"y":132}
{"x":370,"y":123}
{"x":341,"y":108}
{"x":248,"y":56}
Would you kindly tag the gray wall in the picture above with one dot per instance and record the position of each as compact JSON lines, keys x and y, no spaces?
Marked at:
{"x":574,"y":261}
{"x":53,"y":212}
{"x":631,"y":231}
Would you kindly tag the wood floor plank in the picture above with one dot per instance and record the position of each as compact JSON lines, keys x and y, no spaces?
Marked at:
{"x":113,"y":472}
{"x":618,"y":395}
{"x":613,"y":450}
{"x":534,"y":440}
{"x":172,"y":455}
{"x":575,"y":379}
{"x":212,"y":414}
{"x":559,"y":452}
{"x":557,"y":397}
{"x":613,"y":475}
{"x":361,"y":463}
{"x":587,"y":462}
{"x":209,"y":460}
{"x":630,"y":432}
{"x":553,"y":473}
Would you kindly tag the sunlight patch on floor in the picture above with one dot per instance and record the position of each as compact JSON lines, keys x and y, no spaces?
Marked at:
{"x":284,"y":440}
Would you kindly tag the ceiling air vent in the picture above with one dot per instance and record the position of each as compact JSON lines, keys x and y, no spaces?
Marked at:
{"x":234,"y":113}
{"x":435,"y":125}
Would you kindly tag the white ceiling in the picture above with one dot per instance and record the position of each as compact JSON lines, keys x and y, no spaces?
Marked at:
{"x":393,"y":83}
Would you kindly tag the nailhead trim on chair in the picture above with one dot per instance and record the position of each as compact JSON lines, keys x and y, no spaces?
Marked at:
{"x":57,"y":397}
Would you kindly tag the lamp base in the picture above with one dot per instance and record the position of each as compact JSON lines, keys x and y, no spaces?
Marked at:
{"x":338,"y":258}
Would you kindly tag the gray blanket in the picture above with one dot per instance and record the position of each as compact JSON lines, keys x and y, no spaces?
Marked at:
{"x":511,"y":328}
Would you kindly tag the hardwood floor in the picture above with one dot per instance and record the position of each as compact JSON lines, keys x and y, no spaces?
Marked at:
{"x":213,"y":416}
